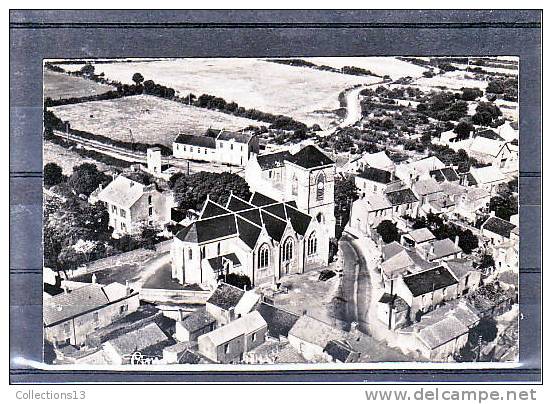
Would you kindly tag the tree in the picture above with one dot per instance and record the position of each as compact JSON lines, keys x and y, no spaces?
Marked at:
{"x":388,"y":231}
{"x":238,"y":280}
{"x":486,"y":113}
{"x":345,"y":193}
{"x":87,"y":70}
{"x":470,"y":94}
{"x":137,"y":78}
{"x":504,"y":206}
{"x":463,"y":129}
{"x":53,"y":174}
{"x":467,"y":241}
{"x":486,"y":329}
{"x":86,"y":178}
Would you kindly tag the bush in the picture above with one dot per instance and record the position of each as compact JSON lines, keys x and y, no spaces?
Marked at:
{"x":388,"y":231}
{"x":53,"y":174}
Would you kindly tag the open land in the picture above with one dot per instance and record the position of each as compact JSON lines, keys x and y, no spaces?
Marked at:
{"x":59,"y":85}
{"x":151,"y":119}
{"x":66,"y":158}
{"x":300,"y":92}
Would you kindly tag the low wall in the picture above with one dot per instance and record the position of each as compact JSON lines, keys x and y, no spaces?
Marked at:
{"x":194,"y":297}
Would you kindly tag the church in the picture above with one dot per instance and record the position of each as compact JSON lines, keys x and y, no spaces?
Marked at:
{"x":285,"y":231}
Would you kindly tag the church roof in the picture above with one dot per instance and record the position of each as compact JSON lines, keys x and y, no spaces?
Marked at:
{"x":259,"y":199}
{"x":196,"y":140}
{"x":273,"y":160}
{"x":309,"y":157}
{"x":238,"y":137}
{"x":211,"y":209}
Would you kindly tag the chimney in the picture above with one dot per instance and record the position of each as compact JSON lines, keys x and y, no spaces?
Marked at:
{"x":492,"y":213}
{"x":127,"y":287}
{"x":65,"y":288}
{"x":180,"y":315}
{"x":304,"y":312}
{"x":456,"y":240}
{"x":431,"y":248}
{"x":245,"y":288}
{"x":94,"y":279}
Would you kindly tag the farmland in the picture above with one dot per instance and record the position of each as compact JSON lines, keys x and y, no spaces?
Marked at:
{"x":59,"y":85}
{"x":392,"y":67}
{"x":65,"y":158}
{"x":302,"y":93}
{"x":150,"y":119}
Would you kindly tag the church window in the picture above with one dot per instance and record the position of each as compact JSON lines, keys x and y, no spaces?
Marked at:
{"x":190,"y":254}
{"x":320,"y":187}
{"x":312,"y":244}
{"x":263,"y":258}
{"x":288,"y":249}
{"x":294,"y":185}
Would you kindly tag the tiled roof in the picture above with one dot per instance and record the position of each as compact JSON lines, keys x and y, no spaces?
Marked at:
{"x":216,"y":262}
{"x":238,"y":137}
{"x":236,"y":204}
{"x":394,"y":301}
{"x":421,"y":235}
{"x":398,"y":264}
{"x":259,"y":199}
{"x":138,"y":340}
{"x":197,"y":320}
{"x":196,"y":140}
{"x":277,"y":209}
{"x":376,"y":175}
{"x":248,"y":232}
{"x":315,"y":331}
{"x":401,"y":197}
{"x":445,"y":330}
{"x":279,"y":321}
{"x":275,"y":227}
{"x":74,"y":303}
{"x":122,"y":192}
{"x":426,"y":187}
{"x":377,"y":160}
{"x":376,"y":202}
{"x":391,"y":249}
{"x":447,"y":173}
{"x":487,"y":175}
{"x":211,"y":209}
{"x":339,"y":350}
{"x":226,"y":296}
{"x":460,"y":268}
{"x":499,"y":226}
{"x":208,"y":229}
{"x":427,"y":281}
{"x":273,"y":160}
{"x":253,"y":215}
{"x":299,"y":220}
{"x":441,"y":248}
{"x":309,"y":157}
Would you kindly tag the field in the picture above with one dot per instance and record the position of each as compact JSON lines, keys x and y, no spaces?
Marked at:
{"x":66,"y":159}
{"x":395,"y":68}
{"x":150,"y":119}
{"x":270,"y":87}
{"x":451,"y":80}
{"x":59,"y":85}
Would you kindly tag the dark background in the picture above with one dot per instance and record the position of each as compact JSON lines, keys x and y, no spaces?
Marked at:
{"x":35,"y":35}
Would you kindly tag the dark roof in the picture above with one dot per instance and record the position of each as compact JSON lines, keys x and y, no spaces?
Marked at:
{"x":275,"y":227}
{"x":376,"y":175}
{"x":236,"y":136}
{"x":279,"y":321}
{"x":253,"y":215}
{"x":299,"y":220}
{"x":489,"y":134}
{"x":499,"y":226}
{"x":258,"y":199}
{"x":310,"y":157}
{"x":236,"y":204}
{"x":447,"y":173}
{"x":277,"y":209}
{"x":339,"y":350}
{"x":197,"y":320}
{"x":272,"y":160}
{"x":248,"y":232}
{"x":208,"y":229}
{"x":427,"y":281}
{"x":401,"y":197}
{"x":212,"y":209}
{"x":395,"y":301}
{"x":189,"y":357}
{"x":216,"y":262}
{"x":196,"y":140}
{"x":470,"y":179}
{"x":226,"y":296}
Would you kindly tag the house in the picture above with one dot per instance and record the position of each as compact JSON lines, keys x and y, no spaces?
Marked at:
{"x":413,"y":171}
{"x":403,"y":202}
{"x":393,"y":311}
{"x":442,"y":332}
{"x":310,"y":337}
{"x":143,"y":344}
{"x":425,"y":289}
{"x":341,"y":352}
{"x":470,"y":202}
{"x":70,"y":316}
{"x":233,"y":148}
{"x":438,"y":250}
{"x":194,"y":325}
{"x":374,"y":180}
{"x":498,"y":230}
{"x":229,"y":343}
{"x":259,"y":238}
{"x":496,"y":152}
{"x":447,"y":174}
{"x":378,"y":160}
{"x":487,"y":178}
{"x":369,"y":211}
{"x":469,"y":278}
{"x":132,"y":205}
{"x":417,"y":237}
{"x":181,"y":353}
{"x":279,"y":321}
{"x":305,"y":176}
{"x":222,"y":303}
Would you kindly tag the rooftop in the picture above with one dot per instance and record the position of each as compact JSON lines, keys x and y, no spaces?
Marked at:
{"x":197,"y":320}
{"x":279,"y":321}
{"x":421,"y":235}
{"x":138,"y":340}
{"x":315,"y":331}
{"x":498,"y":226}
{"x":376,"y":175}
{"x":226,"y":296}
{"x":196,"y":140}
{"x":443,"y":331}
{"x":238,"y":137}
{"x":309,"y":157}
{"x":394,"y":301}
{"x":401,"y":197}
{"x":429,"y":280}
{"x":339,"y":350}
{"x":246,"y":324}
{"x":273,"y":160}
{"x":122,"y":192}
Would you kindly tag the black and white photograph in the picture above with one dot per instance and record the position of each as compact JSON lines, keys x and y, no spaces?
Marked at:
{"x":281,"y":212}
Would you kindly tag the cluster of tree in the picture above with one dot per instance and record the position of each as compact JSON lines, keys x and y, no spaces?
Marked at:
{"x":507,"y":88}
{"x":463,"y":129}
{"x":467,"y":241}
{"x":504,"y":206}
{"x":388,"y":231}
{"x":456,"y":158}
{"x":484,"y":332}
{"x":486,"y":113}
{"x":351,"y":70}
{"x":54,"y":67}
{"x":345,"y":193}
{"x":443,"y":106}
{"x":53,"y":175}
{"x":191,"y":191}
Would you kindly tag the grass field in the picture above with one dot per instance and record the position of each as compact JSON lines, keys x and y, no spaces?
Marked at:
{"x":394,"y":68}
{"x":59,"y":85}
{"x":65,"y":158}
{"x":252,"y":83}
{"x":151,"y":119}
